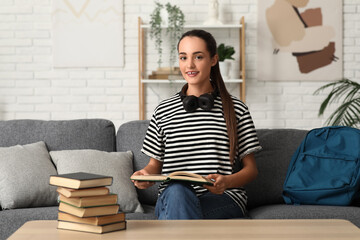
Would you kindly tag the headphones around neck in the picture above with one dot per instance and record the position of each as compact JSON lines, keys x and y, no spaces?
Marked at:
{"x":204,"y":101}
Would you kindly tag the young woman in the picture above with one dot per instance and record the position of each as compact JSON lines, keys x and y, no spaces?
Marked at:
{"x":204,"y":130}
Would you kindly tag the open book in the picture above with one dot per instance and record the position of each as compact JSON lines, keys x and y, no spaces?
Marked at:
{"x":175,"y":176}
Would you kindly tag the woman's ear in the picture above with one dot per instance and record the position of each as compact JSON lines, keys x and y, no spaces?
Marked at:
{"x":214,"y":60}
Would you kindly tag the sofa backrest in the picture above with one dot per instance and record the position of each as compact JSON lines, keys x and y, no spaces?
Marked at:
{"x":130,"y":137}
{"x":98,"y":134}
{"x":278,"y":147}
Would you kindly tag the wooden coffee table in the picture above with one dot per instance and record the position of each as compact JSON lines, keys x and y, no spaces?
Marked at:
{"x":202,"y":229}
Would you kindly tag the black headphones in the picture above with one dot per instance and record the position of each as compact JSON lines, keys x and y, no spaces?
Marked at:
{"x":204,"y":101}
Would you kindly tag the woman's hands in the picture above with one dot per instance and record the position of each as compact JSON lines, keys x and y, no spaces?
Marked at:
{"x":247,"y":174}
{"x":142,"y":184}
{"x":154,"y":167}
{"x":220,"y":183}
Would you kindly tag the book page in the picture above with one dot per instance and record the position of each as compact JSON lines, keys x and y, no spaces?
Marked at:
{"x":151,"y":177}
{"x":188,"y":174}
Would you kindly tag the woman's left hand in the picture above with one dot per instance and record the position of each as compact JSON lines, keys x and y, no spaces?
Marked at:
{"x":220,"y":183}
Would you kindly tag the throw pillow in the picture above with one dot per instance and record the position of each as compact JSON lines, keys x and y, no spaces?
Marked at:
{"x":24,"y":176}
{"x":116,"y":164}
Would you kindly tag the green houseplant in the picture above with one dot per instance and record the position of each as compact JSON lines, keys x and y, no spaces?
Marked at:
{"x":348,"y":113}
{"x":175,"y":26}
{"x":176,"y":20}
{"x":225,"y":52}
{"x":155,"y":29}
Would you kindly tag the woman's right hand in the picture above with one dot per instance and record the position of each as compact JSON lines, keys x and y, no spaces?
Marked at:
{"x":142,"y":184}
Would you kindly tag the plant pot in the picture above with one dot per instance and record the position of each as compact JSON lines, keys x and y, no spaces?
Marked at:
{"x":224,"y":69}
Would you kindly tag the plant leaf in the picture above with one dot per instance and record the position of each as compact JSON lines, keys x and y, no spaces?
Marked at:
{"x":225,"y":52}
{"x":348,"y":113}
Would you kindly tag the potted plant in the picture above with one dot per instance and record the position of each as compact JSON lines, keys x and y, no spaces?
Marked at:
{"x":155,"y":29}
{"x":175,"y":25}
{"x":175,"y":29}
{"x":348,"y":113}
{"x":224,"y":53}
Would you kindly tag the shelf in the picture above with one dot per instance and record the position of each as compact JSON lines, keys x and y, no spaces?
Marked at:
{"x":236,"y":26}
{"x":183,"y":81}
{"x":143,"y":30}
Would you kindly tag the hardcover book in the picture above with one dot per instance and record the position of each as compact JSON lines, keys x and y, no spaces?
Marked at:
{"x":97,"y":220}
{"x":88,"y":211}
{"x":90,"y":201}
{"x":91,"y":228}
{"x":80,"y":180}
{"x":86,"y":192}
{"x":175,"y":176}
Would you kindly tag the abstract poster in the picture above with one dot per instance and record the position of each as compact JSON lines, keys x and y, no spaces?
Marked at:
{"x":88,"y":33}
{"x":299,"y":40}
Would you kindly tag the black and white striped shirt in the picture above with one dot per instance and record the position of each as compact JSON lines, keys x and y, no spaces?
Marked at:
{"x":197,"y":142}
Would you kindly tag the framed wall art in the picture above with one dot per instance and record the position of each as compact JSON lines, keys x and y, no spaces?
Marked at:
{"x":299,"y":40}
{"x":88,"y":33}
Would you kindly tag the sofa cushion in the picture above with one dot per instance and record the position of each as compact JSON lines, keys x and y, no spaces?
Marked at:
{"x":282,"y":211}
{"x":24,"y":176}
{"x":278,"y":147}
{"x":116,"y":164}
{"x":96,"y":134}
{"x":130,"y":136}
{"x":148,"y":214}
{"x":11,"y":220}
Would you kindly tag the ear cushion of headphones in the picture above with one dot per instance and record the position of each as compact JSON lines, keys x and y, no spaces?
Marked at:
{"x":206,"y":101}
{"x":190,"y":103}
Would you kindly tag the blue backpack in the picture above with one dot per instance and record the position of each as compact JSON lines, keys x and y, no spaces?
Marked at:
{"x":325,"y":169}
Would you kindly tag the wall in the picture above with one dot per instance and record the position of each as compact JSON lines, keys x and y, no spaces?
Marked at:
{"x":31,"y":88}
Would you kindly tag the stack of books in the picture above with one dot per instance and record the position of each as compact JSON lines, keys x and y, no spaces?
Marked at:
{"x":86,"y":204}
{"x":170,"y":73}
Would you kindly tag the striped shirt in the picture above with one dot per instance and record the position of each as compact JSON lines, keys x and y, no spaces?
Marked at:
{"x":198,"y":142}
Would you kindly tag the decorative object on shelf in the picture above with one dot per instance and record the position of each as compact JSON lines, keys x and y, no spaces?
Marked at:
{"x":167,"y":73}
{"x":174,"y":27}
{"x":213,"y":14}
{"x":224,"y":53}
{"x":155,"y":29}
{"x":176,"y":20}
{"x":348,"y":113}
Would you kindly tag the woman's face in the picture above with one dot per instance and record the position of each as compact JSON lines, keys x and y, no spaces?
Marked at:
{"x":195,"y":61}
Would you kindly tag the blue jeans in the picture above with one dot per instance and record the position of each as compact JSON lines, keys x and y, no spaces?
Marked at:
{"x":179,"y":201}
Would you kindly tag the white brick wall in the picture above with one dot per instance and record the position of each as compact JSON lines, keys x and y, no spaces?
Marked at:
{"x":31,"y":88}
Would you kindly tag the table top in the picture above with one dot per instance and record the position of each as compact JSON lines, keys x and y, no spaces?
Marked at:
{"x":202,"y":229}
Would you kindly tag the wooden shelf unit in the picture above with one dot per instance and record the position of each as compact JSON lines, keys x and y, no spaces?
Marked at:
{"x":142,"y":68}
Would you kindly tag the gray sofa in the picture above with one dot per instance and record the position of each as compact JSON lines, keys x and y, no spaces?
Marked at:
{"x":264,"y":194}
